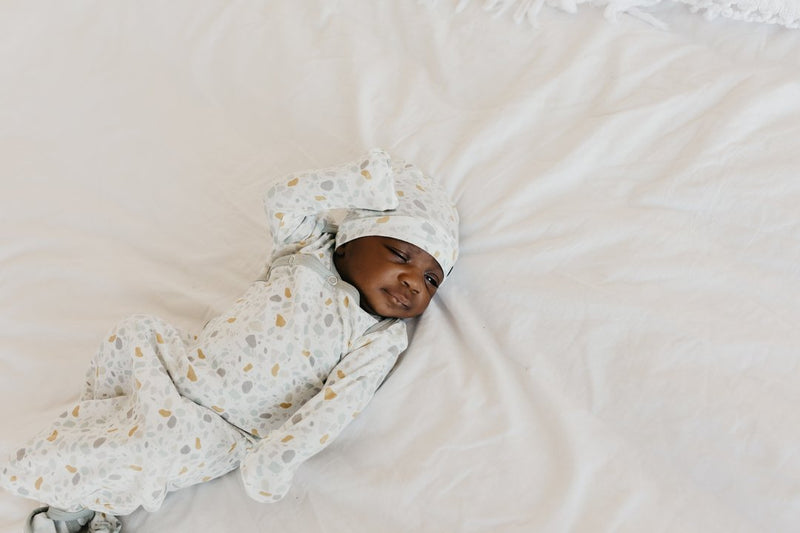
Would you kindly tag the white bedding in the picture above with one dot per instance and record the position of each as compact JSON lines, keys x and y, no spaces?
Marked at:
{"x":617,"y":349}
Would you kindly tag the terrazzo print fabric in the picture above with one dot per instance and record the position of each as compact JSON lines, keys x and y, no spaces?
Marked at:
{"x":265,"y":385}
{"x":424,"y":216}
{"x":132,"y":437}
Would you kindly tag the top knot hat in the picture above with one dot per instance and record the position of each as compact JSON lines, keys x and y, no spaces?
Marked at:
{"x":424,"y":216}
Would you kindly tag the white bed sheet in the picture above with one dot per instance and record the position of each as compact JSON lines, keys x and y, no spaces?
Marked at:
{"x":617,"y":349}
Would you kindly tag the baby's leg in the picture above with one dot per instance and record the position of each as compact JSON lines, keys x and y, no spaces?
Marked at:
{"x":110,"y":372}
{"x":132,"y":438}
{"x":107,"y":455}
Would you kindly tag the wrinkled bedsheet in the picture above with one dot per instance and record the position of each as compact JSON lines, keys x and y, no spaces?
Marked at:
{"x":617,"y":349}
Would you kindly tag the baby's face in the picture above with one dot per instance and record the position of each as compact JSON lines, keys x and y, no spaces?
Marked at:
{"x":394,"y":278}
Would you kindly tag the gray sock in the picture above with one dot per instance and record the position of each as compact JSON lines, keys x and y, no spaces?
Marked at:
{"x":54,"y":520}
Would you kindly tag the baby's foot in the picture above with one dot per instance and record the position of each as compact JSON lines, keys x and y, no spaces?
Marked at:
{"x":53,"y":520}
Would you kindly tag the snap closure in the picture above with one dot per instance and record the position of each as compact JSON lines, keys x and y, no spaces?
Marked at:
{"x":291,"y":259}
{"x":332,"y":280}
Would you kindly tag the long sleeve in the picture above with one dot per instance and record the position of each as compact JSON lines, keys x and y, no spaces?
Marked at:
{"x":296,"y":204}
{"x":267,"y":470}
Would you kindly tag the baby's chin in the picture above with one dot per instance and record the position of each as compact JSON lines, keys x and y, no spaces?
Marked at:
{"x":378,"y":312}
{"x":390,"y":313}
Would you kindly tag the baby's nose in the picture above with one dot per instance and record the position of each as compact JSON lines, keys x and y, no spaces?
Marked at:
{"x":410,"y":281}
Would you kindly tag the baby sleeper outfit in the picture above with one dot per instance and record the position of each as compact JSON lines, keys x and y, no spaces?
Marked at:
{"x":265,"y":385}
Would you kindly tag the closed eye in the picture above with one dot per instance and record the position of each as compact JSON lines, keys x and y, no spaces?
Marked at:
{"x":399,"y":254}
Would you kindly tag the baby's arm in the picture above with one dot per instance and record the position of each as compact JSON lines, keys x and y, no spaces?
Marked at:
{"x":267,"y":470}
{"x":294,"y":203}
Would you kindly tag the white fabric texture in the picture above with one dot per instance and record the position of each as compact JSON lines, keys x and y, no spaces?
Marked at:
{"x":617,"y":347}
{"x":782,"y":12}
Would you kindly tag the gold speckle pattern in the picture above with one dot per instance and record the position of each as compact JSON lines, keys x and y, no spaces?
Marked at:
{"x":424,"y":216}
{"x":283,"y":361}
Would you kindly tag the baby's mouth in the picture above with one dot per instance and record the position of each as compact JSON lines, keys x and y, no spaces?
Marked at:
{"x":398,"y":299}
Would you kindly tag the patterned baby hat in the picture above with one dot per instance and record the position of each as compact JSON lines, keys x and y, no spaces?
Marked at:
{"x":424,"y":216}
